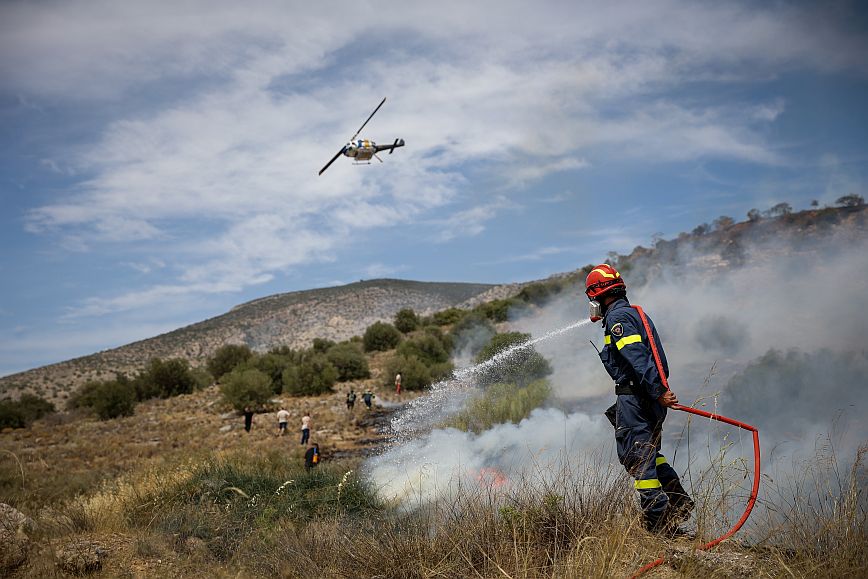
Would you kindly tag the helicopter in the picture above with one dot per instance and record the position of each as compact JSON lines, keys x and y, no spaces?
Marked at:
{"x":362,"y":149}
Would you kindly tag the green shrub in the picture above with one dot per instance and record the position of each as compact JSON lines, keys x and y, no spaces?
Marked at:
{"x":273,"y":365}
{"x":448,"y":317}
{"x":165,"y":378}
{"x":381,"y":336}
{"x":84,"y":395}
{"x":29,"y":406}
{"x":406,"y":320}
{"x":115,"y":399}
{"x":496,"y":310}
{"x":523,"y":366}
{"x":226,"y":358}
{"x":415,"y":374}
{"x":321,"y":345}
{"x":426,"y":347}
{"x":349,"y":361}
{"x":246,"y":387}
{"x":501,"y":403}
{"x":472,"y":333}
{"x":11,"y":415}
{"x":201,"y":377}
{"x":314,"y":375}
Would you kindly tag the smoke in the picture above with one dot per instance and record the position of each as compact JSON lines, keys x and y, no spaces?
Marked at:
{"x":718,"y":320}
{"x":437,"y":464}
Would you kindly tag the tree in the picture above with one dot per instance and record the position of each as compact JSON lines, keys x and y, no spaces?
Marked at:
{"x":851,"y":200}
{"x":165,"y":378}
{"x":406,"y":320}
{"x":415,"y":374}
{"x":779,"y":210}
{"x":246,"y":387}
{"x":226,"y":358}
{"x":381,"y":336}
{"x":114,"y":399}
{"x":272,"y":365}
{"x":322,"y":345}
{"x":349,"y":361}
{"x":754,"y":215}
{"x":723,"y":222}
{"x":448,"y":316}
{"x":314,"y":375}
{"x":701,"y":229}
{"x":815,"y":203}
{"x":426,"y":348}
{"x":523,"y":366}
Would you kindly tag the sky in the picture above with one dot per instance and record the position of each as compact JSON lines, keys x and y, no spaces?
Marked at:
{"x":159,"y":160}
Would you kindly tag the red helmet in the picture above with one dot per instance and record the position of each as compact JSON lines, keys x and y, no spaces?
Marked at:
{"x":603,"y":279}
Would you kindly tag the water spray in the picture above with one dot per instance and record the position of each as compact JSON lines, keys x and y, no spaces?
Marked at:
{"x":756,"y":448}
{"x":421,"y":411}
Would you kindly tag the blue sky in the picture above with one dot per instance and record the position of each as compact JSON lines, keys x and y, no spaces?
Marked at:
{"x":160,"y":159}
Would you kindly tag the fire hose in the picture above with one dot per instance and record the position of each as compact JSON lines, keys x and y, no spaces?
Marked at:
{"x":756,"y":448}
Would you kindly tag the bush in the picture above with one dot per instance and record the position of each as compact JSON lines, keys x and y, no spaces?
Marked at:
{"x":11,"y":415}
{"x":501,"y":403}
{"x":415,"y":375}
{"x":523,"y":366}
{"x":426,"y":347}
{"x":472,"y":333}
{"x":321,"y":345}
{"x":33,"y":407}
{"x":114,"y":399}
{"x":246,"y":387}
{"x":496,"y":310}
{"x":448,"y":317}
{"x":851,"y":200}
{"x":406,"y":321}
{"x":273,"y":365}
{"x":381,"y":336}
{"x":314,"y":375}
{"x":226,"y":358}
{"x":164,"y":379}
{"x":349,"y":361}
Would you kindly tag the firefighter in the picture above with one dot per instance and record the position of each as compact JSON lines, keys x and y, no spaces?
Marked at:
{"x":641,"y":402}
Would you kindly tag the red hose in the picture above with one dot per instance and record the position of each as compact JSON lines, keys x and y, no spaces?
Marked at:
{"x":756,"y":448}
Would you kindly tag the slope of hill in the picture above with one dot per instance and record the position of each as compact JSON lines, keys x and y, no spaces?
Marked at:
{"x":292,"y":319}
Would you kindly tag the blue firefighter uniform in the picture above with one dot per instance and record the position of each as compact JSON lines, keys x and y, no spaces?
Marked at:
{"x":637,"y":415}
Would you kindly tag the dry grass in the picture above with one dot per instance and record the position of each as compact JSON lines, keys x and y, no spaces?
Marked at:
{"x":205,"y":504}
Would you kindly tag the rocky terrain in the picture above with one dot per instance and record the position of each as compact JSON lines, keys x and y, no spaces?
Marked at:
{"x":290,"y":319}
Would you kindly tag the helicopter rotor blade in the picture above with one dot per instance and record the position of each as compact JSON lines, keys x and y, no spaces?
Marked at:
{"x":353,"y":138}
{"x":335,"y":158}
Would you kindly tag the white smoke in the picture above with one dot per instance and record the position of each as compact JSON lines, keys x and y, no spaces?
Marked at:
{"x":713,"y":321}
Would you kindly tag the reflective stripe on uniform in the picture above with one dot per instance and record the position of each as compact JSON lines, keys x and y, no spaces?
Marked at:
{"x":627,"y":340}
{"x":649,"y":483}
{"x":607,"y":339}
{"x":660,"y":460}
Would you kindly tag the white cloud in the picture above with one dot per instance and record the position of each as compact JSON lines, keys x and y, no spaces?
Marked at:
{"x":249,"y":104}
{"x":470,"y":222}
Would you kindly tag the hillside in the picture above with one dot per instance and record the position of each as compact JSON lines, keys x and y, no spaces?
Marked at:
{"x":291,"y":319}
{"x":179,"y":489}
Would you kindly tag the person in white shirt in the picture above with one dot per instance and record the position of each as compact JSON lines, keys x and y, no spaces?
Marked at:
{"x":305,"y":428}
{"x":282,"y":421}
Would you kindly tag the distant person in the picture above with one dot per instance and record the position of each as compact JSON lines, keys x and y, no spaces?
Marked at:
{"x":282,"y":421}
{"x":351,"y":400}
{"x":248,"y":418}
{"x":398,"y":384}
{"x":311,"y":457}
{"x":367,"y":397}
{"x":305,"y":428}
